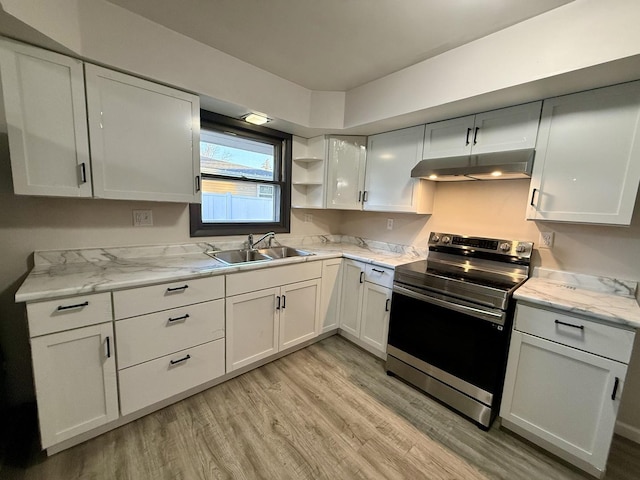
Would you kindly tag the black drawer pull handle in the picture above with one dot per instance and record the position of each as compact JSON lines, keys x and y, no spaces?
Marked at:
{"x":386,"y":305}
{"x":83,"y":172}
{"x":77,"y":305}
{"x":284,"y":301}
{"x":197,"y":183}
{"x":533,"y":194}
{"x":278,"y":302}
{"x":467,"y":140}
{"x":558,"y":322}
{"x":361,"y":277}
{"x":108,"y":348}
{"x":615,"y":388}
{"x":177,"y":319}
{"x":177,"y":289}
{"x":359,"y":196}
{"x":475,"y":136}
{"x":180,"y":360}
{"x":376,"y":270}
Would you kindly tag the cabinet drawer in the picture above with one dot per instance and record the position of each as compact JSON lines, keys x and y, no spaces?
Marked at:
{"x":67,"y":313}
{"x":153,"y":381}
{"x":154,"y":335}
{"x":605,"y":340}
{"x":379,"y":275}
{"x":138,"y":301}
{"x":254,"y":280}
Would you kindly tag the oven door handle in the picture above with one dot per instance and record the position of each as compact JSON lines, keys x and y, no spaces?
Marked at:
{"x":487,"y":315}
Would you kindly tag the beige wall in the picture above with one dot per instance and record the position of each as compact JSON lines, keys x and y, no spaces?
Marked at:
{"x":497,"y":209}
{"x":39,"y":223}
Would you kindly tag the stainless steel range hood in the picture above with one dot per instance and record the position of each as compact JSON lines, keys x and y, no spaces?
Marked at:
{"x":485,"y":166}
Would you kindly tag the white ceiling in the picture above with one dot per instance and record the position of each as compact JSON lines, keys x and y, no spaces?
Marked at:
{"x":336,"y":44}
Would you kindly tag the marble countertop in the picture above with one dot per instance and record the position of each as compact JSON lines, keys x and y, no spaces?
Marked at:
{"x":607,"y":299}
{"x":60,"y":273}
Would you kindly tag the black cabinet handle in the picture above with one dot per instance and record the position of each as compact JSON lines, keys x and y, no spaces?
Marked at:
{"x":615,"y":388}
{"x":533,"y":194}
{"x":361,"y":277}
{"x":386,"y":305}
{"x":177,"y":289}
{"x":365,"y":195}
{"x":83,"y":172}
{"x":108,"y":347}
{"x":277,"y":302}
{"x":68,"y":307}
{"x":359,"y":196}
{"x":180,"y":360}
{"x":197,"y":183}
{"x":558,"y":322}
{"x":177,"y":319}
{"x":376,"y":270}
{"x":467,"y":140}
{"x":284,"y":301}
{"x":475,"y":136}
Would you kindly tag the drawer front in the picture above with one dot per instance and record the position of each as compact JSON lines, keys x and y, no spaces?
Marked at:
{"x":251,"y":281}
{"x":138,"y":301}
{"x":604,"y":340}
{"x":157,"y":334}
{"x":379,"y":275}
{"x":67,"y":313}
{"x":153,"y":381}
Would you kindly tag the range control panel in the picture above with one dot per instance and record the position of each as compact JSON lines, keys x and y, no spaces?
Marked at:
{"x":512,"y":248}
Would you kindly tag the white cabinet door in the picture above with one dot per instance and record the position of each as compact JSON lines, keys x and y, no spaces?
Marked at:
{"x":252,"y":327}
{"x":375,"y":316}
{"x":75,"y":379}
{"x":449,"y":138}
{"x":352,"y":293}
{"x":563,"y":396}
{"x":330,"y":294}
{"x":586,"y":168}
{"x":45,"y":110}
{"x":512,"y":128}
{"x":388,"y":183}
{"x":345,"y":172}
{"x":299,"y":313}
{"x":144,"y":138}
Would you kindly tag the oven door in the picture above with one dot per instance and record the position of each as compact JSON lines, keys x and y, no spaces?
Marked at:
{"x":461,"y":344}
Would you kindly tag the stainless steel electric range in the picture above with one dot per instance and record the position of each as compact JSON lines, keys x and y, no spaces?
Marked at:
{"x":451,"y":319}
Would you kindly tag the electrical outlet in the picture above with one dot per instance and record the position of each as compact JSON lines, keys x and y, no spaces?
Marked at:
{"x":389,"y":223}
{"x":308,"y":218}
{"x":545,"y":240}
{"x":142,"y":218}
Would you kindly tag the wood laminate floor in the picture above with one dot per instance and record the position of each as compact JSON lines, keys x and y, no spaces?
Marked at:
{"x":328,"y":411}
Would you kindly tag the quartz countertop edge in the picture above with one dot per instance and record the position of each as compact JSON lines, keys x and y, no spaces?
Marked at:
{"x":85,"y":277}
{"x":601,"y":305}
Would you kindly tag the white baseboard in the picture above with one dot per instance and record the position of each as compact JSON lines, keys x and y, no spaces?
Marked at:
{"x":627,"y":431}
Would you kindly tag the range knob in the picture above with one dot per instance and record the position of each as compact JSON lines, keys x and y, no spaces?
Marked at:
{"x":435,"y":238}
{"x":446,"y":239}
{"x":521,"y":248}
{"x":505,"y":247}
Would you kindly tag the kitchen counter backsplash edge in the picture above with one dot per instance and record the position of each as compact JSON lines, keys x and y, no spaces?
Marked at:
{"x":60,"y":273}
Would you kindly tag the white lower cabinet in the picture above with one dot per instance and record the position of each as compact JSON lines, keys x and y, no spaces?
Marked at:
{"x":264,"y":321}
{"x":330,"y":294}
{"x":365,"y":305}
{"x":75,"y":380}
{"x":560,"y":396}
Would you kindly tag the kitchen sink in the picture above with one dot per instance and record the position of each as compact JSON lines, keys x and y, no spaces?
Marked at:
{"x":283,"y":252}
{"x":232,"y":257}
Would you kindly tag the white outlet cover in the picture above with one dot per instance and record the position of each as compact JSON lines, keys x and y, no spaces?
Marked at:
{"x":142,"y":218}
{"x":389,"y":223}
{"x":546,"y":240}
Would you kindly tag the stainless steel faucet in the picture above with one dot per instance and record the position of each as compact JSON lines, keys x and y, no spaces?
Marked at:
{"x":252,"y":244}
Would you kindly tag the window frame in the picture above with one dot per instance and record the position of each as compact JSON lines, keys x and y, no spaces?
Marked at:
{"x":281,"y":170}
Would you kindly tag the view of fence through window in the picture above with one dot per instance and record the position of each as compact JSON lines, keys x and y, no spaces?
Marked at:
{"x":236,"y":176}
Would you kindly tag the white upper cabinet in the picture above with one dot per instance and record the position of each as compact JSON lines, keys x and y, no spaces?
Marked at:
{"x":511,"y":128}
{"x":388,"y":183}
{"x":44,"y":105}
{"x":586,"y":168}
{"x":345,"y":172}
{"x":144,"y":138}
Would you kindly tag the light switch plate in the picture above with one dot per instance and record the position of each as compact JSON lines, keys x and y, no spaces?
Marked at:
{"x":142,"y":218}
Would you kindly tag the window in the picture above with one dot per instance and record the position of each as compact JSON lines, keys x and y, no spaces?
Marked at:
{"x":245,"y":178}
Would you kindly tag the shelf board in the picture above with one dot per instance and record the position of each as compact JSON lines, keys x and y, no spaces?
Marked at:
{"x":308,"y":159}
{"x":307,"y":184}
